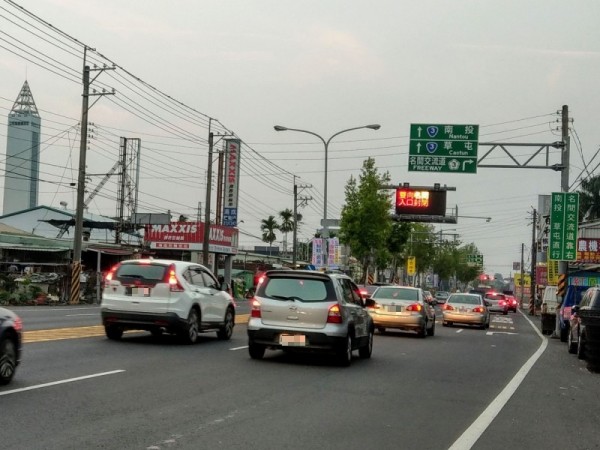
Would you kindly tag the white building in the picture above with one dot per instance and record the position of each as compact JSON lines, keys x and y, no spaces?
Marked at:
{"x":21,"y":176}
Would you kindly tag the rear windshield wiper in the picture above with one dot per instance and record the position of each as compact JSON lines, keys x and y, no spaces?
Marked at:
{"x":281,"y":297}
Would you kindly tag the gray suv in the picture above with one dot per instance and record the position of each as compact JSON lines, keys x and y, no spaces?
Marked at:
{"x":301,"y":310}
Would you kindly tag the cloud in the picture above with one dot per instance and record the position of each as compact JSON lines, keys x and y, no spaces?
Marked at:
{"x":531,"y":50}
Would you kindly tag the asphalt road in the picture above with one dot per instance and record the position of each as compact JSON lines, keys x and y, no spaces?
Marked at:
{"x":445,"y":391}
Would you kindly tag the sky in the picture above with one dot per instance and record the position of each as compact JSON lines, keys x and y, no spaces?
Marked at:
{"x":323,"y":66}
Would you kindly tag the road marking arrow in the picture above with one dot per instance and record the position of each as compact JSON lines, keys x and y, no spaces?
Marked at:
{"x":489,"y":333}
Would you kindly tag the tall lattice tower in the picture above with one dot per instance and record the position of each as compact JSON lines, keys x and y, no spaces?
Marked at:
{"x":21,"y":176}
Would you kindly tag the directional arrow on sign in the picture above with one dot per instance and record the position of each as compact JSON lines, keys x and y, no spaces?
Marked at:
{"x":469,"y":161}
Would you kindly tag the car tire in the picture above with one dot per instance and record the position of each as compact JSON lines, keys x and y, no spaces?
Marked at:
{"x":226,"y":330}
{"x":563,"y":334}
{"x":365,"y":351}
{"x":444,"y":324}
{"x":256,"y":351}
{"x":504,"y":313}
{"x":8,"y":360}
{"x":344,"y":353}
{"x":571,"y":345}
{"x":156,"y":332}
{"x":422,"y":333}
{"x":381,"y":330}
{"x":191,"y":330}
{"x":581,"y":347}
{"x":431,"y":331}
{"x":113,"y":332}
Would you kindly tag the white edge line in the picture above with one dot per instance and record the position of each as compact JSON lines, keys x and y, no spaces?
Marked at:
{"x":459,"y":331}
{"x":54,"y":383}
{"x":239,"y":348}
{"x":477,"y":428}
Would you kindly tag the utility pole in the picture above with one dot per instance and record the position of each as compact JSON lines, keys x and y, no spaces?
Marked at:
{"x":206,"y":239}
{"x":78,"y":233}
{"x":295,"y":230}
{"x":563,"y":266}
{"x":532,"y":295}
{"x":522,"y":272}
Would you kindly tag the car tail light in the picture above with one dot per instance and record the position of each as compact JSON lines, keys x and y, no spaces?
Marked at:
{"x":174,"y":284}
{"x":501,"y":303}
{"x":334,"y":315}
{"x":478,"y":309}
{"x":111,"y":273}
{"x":255,"y":309}
{"x":447,"y":307}
{"x":364,"y":293}
{"x":374,"y":305}
{"x":414,"y":307}
{"x":18,"y":324}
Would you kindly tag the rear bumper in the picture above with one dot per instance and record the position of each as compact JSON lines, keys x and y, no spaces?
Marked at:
{"x":142,"y":321}
{"x":412,"y":322}
{"x":464,"y":318}
{"x":314,"y":340}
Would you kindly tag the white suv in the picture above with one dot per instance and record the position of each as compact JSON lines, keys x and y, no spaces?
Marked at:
{"x":309,"y":311}
{"x":163,"y":295}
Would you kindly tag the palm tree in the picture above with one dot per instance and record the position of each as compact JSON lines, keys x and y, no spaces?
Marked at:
{"x":268,"y":227}
{"x":589,"y":199}
{"x":287,"y":225}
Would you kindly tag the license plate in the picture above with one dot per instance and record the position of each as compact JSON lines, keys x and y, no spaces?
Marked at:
{"x":137,"y":291}
{"x":292,"y":340}
{"x":394,"y":308}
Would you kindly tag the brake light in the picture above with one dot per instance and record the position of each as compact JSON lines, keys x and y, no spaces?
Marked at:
{"x":334,"y":315}
{"x":502,"y":303}
{"x":174,"y":284}
{"x":447,"y":307}
{"x":364,"y":292}
{"x":414,"y":307}
{"x":478,"y":309}
{"x":18,"y":324}
{"x":111,"y":273}
{"x":255,"y":309}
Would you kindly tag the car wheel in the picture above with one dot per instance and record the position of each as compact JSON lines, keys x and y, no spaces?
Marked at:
{"x":191,"y":332}
{"x":422,"y":333}
{"x":444,"y":324}
{"x":449,"y":324}
{"x":571,"y":345}
{"x":431,"y":331}
{"x":505,"y":312}
{"x":563,"y":334}
{"x":381,"y":330}
{"x":366,"y":350}
{"x":8,"y":360}
{"x":344,"y":353}
{"x":156,"y":332}
{"x":113,"y":332}
{"x":581,"y":347}
{"x":226,"y":330}
{"x":256,"y":351}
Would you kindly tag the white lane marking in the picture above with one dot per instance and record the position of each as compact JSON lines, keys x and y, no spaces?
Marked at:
{"x":73,"y":315}
{"x":54,"y":383}
{"x":239,"y":348}
{"x":490,"y":333}
{"x":477,"y":428}
{"x":459,"y":331}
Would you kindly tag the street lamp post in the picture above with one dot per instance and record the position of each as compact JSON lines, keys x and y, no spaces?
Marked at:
{"x":326,"y":144}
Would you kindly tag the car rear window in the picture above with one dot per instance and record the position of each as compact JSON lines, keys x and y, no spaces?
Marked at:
{"x":149,"y":273}
{"x":466,"y":299}
{"x":495,"y":296}
{"x":396,"y":293}
{"x":301,"y":289}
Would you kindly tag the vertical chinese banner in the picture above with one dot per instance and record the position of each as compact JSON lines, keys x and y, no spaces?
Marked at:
{"x":232,"y":182}
{"x":317,"y":253}
{"x":333,"y":259}
{"x":564,"y":221}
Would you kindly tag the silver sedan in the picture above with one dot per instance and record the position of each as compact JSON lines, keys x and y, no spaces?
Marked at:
{"x":467,"y":309}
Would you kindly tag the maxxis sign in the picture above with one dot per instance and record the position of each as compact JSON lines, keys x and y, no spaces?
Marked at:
{"x":232,"y":181}
{"x":190,"y":236}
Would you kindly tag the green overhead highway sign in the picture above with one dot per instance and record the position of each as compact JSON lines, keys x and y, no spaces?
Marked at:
{"x":443,"y":148}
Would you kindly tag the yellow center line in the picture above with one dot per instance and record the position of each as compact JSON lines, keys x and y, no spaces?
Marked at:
{"x":56,"y":334}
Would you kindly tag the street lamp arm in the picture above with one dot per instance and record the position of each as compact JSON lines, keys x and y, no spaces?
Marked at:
{"x":373,"y":127}
{"x":280,"y":128}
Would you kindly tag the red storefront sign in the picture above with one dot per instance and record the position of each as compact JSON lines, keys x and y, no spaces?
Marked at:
{"x":190,"y":236}
{"x":588,"y":250}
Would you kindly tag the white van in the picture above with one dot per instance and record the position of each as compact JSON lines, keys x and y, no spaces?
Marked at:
{"x":550,"y":300}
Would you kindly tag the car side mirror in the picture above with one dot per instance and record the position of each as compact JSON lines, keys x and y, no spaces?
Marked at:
{"x":369,"y":302}
{"x":487,"y":303}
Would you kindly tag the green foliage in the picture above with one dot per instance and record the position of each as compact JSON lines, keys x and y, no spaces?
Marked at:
{"x":268,"y":227}
{"x":589,"y":199}
{"x":365,"y":221}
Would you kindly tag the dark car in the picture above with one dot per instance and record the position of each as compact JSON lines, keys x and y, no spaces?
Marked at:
{"x":584,"y":323}
{"x":11,"y":328}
